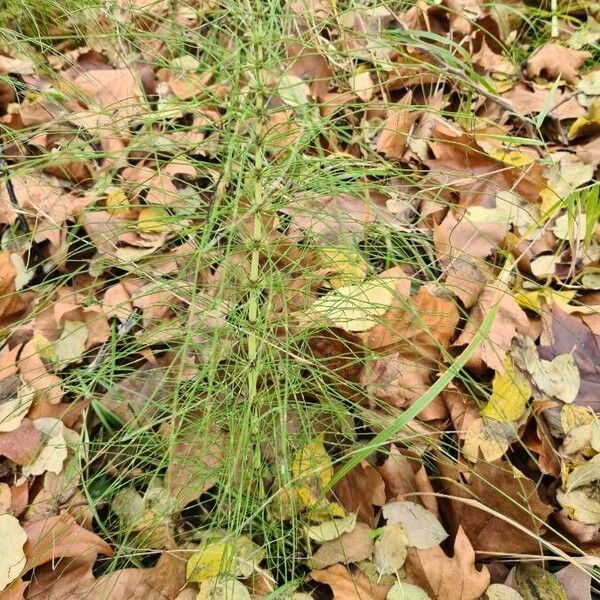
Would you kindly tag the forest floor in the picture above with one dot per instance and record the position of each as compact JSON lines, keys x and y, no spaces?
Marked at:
{"x":299,"y":299}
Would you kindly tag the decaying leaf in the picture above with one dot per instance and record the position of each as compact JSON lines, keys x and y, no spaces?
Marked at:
{"x":535,"y":583}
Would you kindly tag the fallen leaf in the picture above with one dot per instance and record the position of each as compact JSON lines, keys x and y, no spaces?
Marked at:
{"x":350,"y":547}
{"x":510,"y":394}
{"x":360,"y":490}
{"x":12,"y":560}
{"x":70,"y":346}
{"x":450,"y":578}
{"x":330,"y":530}
{"x":60,"y":536}
{"x":580,"y":506}
{"x":394,"y":134}
{"x":390,"y":549}
{"x":354,"y":307}
{"x":576,"y":582}
{"x":503,"y":490}
{"x":407,"y":591}
{"x":488,"y":438}
{"x":499,"y":591}
{"x":552,"y":61}
{"x":422,"y":528}
{"x":53,"y":452}
{"x":536,"y":584}
{"x":212,"y":589}
{"x":349,"y":585}
{"x":13,"y":410}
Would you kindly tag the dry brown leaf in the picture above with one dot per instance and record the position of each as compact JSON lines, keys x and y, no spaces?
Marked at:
{"x":529,"y":100}
{"x":448,"y":578}
{"x":568,"y":334}
{"x":360,"y":490}
{"x":350,"y":585}
{"x":22,"y":444}
{"x":354,"y":546}
{"x":194,"y":466}
{"x":60,"y":536}
{"x":461,"y":165}
{"x":396,"y":129}
{"x":503,"y":489}
{"x":552,"y":61}
{"x":510,"y":319}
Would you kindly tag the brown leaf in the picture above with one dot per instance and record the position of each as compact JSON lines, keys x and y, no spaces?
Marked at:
{"x":529,"y":100}
{"x":359,"y":490}
{"x":569,"y":334}
{"x":510,"y":320}
{"x":500,"y":487}
{"x":462,"y":166}
{"x":76,"y":582}
{"x":115,"y":90}
{"x":394,"y":135}
{"x":34,"y":372}
{"x":349,"y":585}
{"x":552,"y":61}
{"x":58,"y":537}
{"x":448,"y":578}
{"x":22,"y":444}
{"x":354,"y":546}
{"x":11,"y":302}
{"x":194,"y":465}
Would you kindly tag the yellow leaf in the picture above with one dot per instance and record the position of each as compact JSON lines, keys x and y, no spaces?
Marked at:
{"x":514,"y":158}
{"x":346,"y":265}
{"x":313,"y":469}
{"x":152,"y":219}
{"x":538,"y":300}
{"x":211,"y":561}
{"x":510,"y":393}
{"x":116,"y":201}
{"x":489,"y":438}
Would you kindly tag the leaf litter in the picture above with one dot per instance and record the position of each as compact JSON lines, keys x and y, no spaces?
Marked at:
{"x":439,"y":181}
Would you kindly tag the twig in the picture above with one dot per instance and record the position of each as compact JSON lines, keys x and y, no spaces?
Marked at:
{"x":122,"y":331}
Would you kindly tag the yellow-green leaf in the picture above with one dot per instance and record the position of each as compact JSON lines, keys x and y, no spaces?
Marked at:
{"x":510,"y":393}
